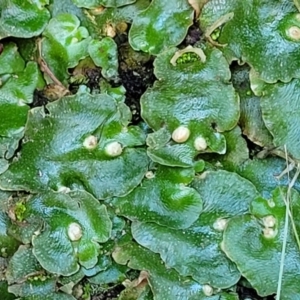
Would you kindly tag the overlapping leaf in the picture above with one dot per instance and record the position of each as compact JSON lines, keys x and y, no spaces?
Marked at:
{"x":16,"y":91}
{"x":23,"y":19}
{"x":37,"y":289}
{"x":266,"y":174}
{"x":255,"y":242}
{"x":54,"y":154}
{"x":196,"y":95}
{"x":236,"y":154}
{"x":65,"y":43}
{"x":11,"y":61}
{"x":22,"y":265}
{"x":165,"y":283}
{"x":163,"y":198}
{"x":195,"y":251}
{"x":53,"y":246}
{"x":7,"y":243}
{"x":96,"y":3}
{"x":266,"y":41}
{"x":251,"y":119}
{"x":280,"y":105}
{"x":115,"y":19}
{"x":162,"y":25}
{"x":105,"y":55}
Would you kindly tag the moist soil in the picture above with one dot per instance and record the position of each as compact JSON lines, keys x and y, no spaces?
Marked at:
{"x":111,"y":294}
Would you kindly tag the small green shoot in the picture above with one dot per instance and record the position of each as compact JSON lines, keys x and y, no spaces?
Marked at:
{"x":20,"y":209}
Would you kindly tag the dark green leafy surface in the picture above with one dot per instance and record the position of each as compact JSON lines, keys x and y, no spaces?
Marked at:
{"x":39,"y":288}
{"x":10,"y":60}
{"x":165,"y":283}
{"x":257,"y":37}
{"x":52,"y":246}
{"x":195,"y":106}
{"x":105,"y":55}
{"x":163,"y":24}
{"x":258,"y":255}
{"x":279,"y":101}
{"x":195,"y":251}
{"x":173,"y":204}
{"x":8,"y":243}
{"x":265,"y":174}
{"x":22,"y":264}
{"x":23,"y":19}
{"x":16,"y":91}
{"x":251,"y":119}
{"x":69,"y":163}
{"x":144,"y":159}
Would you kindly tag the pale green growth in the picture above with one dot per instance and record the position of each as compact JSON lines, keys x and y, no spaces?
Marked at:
{"x":220,"y":224}
{"x":269,"y":233}
{"x":221,"y":21}
{"x":20,"y":209}
{"x":21,"y":103}
{"x":90,"y":142}
{"x":188,"y":49}
{"x":297,"y":4}
{"x":294,"y":33}
{"x":37,"y":232}
{"x":97,"y":11}
{"x":113,"y":149}
{"x":271,"y":203}
{"x":149,"y":175}
{"x":4,"y":252}
{"x":63,"y":189}
{"x":207,"y":290}
{"x":216,"y":34}
{"x":181,"y":134}
{"x":200,"y":143}
{"x":74,"y":40}
{"x":74,"y":232}
{"x":269,"y":221}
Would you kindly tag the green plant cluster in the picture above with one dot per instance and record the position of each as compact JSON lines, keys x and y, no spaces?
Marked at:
{"x":201,"y":195}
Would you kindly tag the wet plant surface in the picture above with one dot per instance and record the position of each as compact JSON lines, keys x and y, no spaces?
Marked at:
{"x":149,"y":150}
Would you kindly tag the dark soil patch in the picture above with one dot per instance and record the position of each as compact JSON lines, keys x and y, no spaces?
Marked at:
{"x":136,"y":83}
{"x":39,"y":99}
{"x":193,"y":36}
{"x":92,"y":76}
{"x":136,"y":74}
{"x":249,"y":293}
{"x":111,"y":294}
